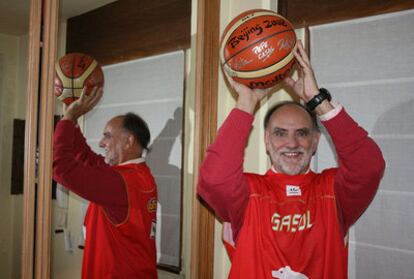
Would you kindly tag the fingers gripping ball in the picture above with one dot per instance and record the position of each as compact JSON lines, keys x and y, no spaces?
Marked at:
{"x":256,"y":48}
{"x":73,"y":72}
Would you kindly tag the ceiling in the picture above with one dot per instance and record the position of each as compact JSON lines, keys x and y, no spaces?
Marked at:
{"x":14,"y":14}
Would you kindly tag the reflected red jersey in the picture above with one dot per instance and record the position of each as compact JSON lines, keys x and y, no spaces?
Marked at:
{"x":126,"y":250}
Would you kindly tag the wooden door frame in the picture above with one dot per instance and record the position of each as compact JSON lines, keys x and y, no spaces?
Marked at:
{"x":207,"y":67}
{"x":46,"y":125}
{"x":31,"y":139}
{"x":36,"y":247}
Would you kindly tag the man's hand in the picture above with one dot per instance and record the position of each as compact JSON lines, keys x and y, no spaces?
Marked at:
{"x":305,"y":86}
{"x":247,"y":98}
{"x":83,"y":105}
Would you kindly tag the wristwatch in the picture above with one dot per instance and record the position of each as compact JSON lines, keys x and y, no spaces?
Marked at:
{"x":317,"y":99}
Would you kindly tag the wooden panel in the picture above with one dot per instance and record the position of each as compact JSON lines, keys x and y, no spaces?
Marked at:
{"x":30,"y":139}
{"x":130,"y":29}
{"x":314,"y":12}
{"x":46,"y":125}
{"x":207,"y":66}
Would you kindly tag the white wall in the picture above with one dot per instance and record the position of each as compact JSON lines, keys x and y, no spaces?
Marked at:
{"x":13,"y":61}
{"x":368,"y":66}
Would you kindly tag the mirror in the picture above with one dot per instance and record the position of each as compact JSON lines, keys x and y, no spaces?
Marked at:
{"x":163,"y":113}
{"x":14,"y":25}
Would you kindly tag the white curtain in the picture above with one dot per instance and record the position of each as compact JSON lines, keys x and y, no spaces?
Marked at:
{"x":368,"y":65}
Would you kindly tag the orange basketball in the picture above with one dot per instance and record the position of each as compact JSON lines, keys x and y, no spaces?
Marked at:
{"x":256,"y":48}
{"x":74,"y":71}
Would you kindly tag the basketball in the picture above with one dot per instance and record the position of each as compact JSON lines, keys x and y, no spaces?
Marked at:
{"x":74,"y":71}
{"x":256,"y":48}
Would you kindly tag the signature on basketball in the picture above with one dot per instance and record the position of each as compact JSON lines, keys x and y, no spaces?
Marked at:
{"x":263,"y":51}
{"x":285,"y":44}
{"x":239,"y":63}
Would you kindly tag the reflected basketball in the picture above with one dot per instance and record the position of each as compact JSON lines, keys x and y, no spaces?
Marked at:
{"x":73,"y":72}
{"x":256,"y":48}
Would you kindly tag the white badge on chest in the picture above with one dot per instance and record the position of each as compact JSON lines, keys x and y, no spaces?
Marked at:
{"x":292,"y":190}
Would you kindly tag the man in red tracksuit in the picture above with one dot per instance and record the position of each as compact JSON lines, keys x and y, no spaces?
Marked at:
{"x":121,"y":217}
{"x":290,"y":222}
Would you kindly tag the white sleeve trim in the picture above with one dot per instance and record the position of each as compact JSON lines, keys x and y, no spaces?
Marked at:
{"x":332,"y":113}
{"x":133,"y":161}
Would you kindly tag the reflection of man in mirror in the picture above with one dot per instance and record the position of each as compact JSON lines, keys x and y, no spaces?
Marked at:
{"x":120,"y":221}
{"x":291,"y":222}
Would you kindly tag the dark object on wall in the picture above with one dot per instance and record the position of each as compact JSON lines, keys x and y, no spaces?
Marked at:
{"x":313,"y":12}
{"x":18,"y":157}
{"x":130,"y":29}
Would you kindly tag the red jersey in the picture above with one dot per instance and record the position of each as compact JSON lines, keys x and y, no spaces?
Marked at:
{"x":290,"y":228}
{"x":125,"y":250}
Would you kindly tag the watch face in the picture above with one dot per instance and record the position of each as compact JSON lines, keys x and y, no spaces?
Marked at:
{"x":326,"y":93}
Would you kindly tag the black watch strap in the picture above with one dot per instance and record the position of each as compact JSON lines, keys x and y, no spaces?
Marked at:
{"x":318,"y":99}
